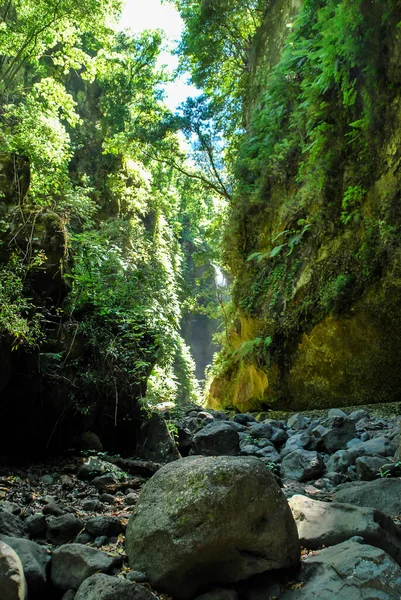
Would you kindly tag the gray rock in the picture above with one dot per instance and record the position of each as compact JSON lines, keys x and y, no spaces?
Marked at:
{"x":297,"y":422}
{"x":61,"y":530}
{"x":326,"y":524}
{"x":359,"y":414}
{"x":383,"y":494}
{"x":69,"y":595}
{"x":83,"y":538}
{"x":279,"y":436}
{"x":131,"y":499}
{"x":249,"y":449}
{"x":339,"y":432}
{"x":244,"y":419}
{"x":137,"y":576}
{"x":155,"y":442}
{"x":261,"y":430}
{"x":94,"y":467}
{"x":107,"y":498}
{"x":269,"y":453}
{"x":216,"y":439}
{"x":379,"y":445}
{"x":47,"y":479}
{"x":348,"y":571}
{"x":12,"y":580}
{"x":92,"y":505}
{"x":35,"y":560}
{"x":73,"y":563}
{"x":11,"y":507}
{"x":36,"y":525}
{"x":108,"y":526}
{"x":296,"y":442}
{"x":336,"y":412}
{"x":210,"y":520}
{"x":105,"y":587}
{"x":52,"y":508}
{"x":12,"y":525}
{"x":367,"y":467}
{"x":342,"y":459}
{"x":302,"y":465}
{"x":100,"y":541}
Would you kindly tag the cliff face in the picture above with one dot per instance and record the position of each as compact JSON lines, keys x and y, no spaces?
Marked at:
{"x":315,"y":227}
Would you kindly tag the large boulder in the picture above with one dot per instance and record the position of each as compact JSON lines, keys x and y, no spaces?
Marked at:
{"x":383,"y":494}
{"x":348,"y":571}
{"x":216,"y":439}
{"x":105,"y":587}
{"x":12,"y":580}
{"x":210,"y":520}
{"x":326,"y":524}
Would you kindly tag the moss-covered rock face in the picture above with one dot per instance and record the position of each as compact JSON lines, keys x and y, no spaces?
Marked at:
{"x":313,"y":239}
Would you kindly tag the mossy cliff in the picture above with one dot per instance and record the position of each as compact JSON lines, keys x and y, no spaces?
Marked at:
{"x":313,"y":239}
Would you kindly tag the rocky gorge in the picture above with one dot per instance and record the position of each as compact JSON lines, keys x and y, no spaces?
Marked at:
{"x":228,"y":508}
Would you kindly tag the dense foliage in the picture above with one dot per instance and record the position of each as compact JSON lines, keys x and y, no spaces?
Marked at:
{"x":98,"y":205}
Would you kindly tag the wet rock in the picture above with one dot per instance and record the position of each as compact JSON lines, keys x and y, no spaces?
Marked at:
{"x":302,"y":465}
{"x":12,"y":580}
{"x":224,"y":513}
{"x":216,"y":439}
{"x":73,"y":563}
{"x":105,"y":587}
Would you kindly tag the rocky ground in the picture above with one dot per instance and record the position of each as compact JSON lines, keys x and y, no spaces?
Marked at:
{"x":217,"y":526}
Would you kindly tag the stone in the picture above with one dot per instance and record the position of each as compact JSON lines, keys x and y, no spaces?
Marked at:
{"x":93,"y":467}
{"x":379,"y":445}
{"x":107,"y":498}
{"x":100,"y":541}
{"x":69,"y":595}
{"x":12,"y":525}
{"x":359,"y":414}
{"x":296,"y":442}
{"x":348,"y":571}
{"x":108,"y":526}
{"x":339,"y":431}
{"x":261,"y":430}
{"x":143,"y":468}
{"x":342,"y":459}
{"x":61,"y":530}
{"x":73,"y":563}
{"x":137,"y":576}
{"x":105,"y":587}
{"x":52,"y":508}
{"x":11,"y":507}
{"x":92,"y":505}
{"x":131,"y":499}
{"x":336,"y":412}
{"x":216,"y":439}
{"x":155,"y":442}
{"x":367,"y":467}
{"x":270,"y":453}
{"x":297,"y":422}
{"x":279,"y":436}
{"x":210,"y":520}
{"x":249,"y":449}
{"x":326,"y":524}
{"x":244,"y":419}
{"x":383,"y":494}
{"x":302,"y":465}
{"x":35,"y":560}
{"x":36,"y":525}
{"x":12,"y":579}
